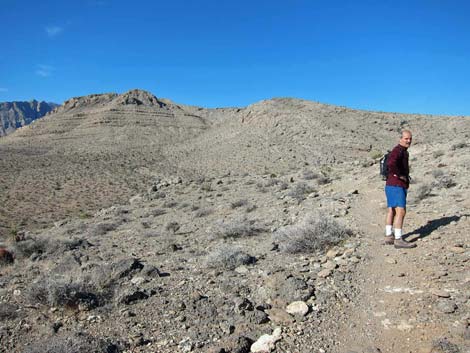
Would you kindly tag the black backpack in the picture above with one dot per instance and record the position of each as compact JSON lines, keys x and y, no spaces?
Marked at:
{"x":383,"y":166}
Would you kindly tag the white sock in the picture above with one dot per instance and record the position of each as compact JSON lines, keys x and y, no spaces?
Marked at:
{"x":397,"y":233}
{"x":388,"y":230}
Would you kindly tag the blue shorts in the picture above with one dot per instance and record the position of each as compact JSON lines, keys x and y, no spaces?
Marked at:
{"x":396,"y":196}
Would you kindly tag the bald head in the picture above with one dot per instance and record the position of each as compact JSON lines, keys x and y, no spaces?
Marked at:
{"x":405,"y":138}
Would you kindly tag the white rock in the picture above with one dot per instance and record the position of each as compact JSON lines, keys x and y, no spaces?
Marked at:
{"x":297,"y":308}
{"x":138,"y":280}
{"x":266,"y":343}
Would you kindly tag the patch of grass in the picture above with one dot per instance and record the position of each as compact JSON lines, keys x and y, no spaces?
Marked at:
{"x":374,"y":154}
{"x":8,"y":311}
{"x":422,"y":191}
{"x":170,"y":204}
{"x":443,"y":182}
{"x":72,"y":343}
{"x":172,"y":226}
{"x":67,"y":291}
{"x":236,"y":229}
{"x":309,"y":175}
{"x":228,"y":257}
{"x":443,"y":345}
{"x":28,"y":247}
{"x":157,"y":212}
{"x":300,"y":191}
{"x":203,"y":212}
{"x":103,"y":228}
{"x":315,"y":233}
{"x":238,"y":203}
{"x":459,"y":145}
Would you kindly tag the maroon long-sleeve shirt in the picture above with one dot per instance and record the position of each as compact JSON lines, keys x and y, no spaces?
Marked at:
{"x":398,"y":166}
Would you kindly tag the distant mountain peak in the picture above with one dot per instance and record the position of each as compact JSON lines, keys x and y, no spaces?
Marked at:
{"x":14,"y":115}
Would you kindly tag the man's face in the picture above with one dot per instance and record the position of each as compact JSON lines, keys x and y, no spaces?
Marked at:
{"x":405,"y":140}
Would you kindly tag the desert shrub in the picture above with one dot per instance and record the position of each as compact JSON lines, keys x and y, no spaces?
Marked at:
{"x":438,"y":153}
{"x":443,"y":345}
{"x":72,"y":343}
{"x":300,"y":191}
{"x":309,"y":175}
{"x":238,"y":203}
{"x":422,"y":191}
{"x":228,"y":257}
{"x":458,"y":146}
{"x":322,"y":180}
{"x":103,"y":228}
{"x":203,"y":212}
{"x":157,"y":212}
{"x":158,"y":195}
{"x":251,"y":208}
{"x":236,"y":228}
{"x":172,"y":226}
{"x":261,"y":187}
{"x":207,"y":187}
{"x":184,"y":205}
{"x":8,"y":311}
{"x":151,"y":233}
{"x":170,"y":204}
{"x":374,"y":154}
{"x":28,"y":247}
{"x":314,"y":233}
{"x":66,"y":291}
{"x":272,"y":182}
{"x":443,"y":182}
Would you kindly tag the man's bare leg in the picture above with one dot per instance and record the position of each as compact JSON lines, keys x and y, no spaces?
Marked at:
{"x":389,"y":239}
{"x":398,"y":224}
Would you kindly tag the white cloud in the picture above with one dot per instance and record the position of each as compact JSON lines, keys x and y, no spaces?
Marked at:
{"x":44,"y":70}
{"x":53,"y":31}
{"x":3,"y":89}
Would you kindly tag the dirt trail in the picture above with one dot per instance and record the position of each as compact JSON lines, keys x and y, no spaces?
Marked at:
{"x":392,"y":312}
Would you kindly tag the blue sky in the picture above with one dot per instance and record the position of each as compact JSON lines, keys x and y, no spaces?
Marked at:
{"x":394,"y":56}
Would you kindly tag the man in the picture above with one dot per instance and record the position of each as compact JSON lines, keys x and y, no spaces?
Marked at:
{"x":398,"y":181}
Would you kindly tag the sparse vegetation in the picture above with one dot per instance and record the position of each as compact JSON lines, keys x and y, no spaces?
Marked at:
{"x":238,"y":203}
{"x":203,"y":212}
{"x":315,"y":233}
{"x":28,"y":247}
{"x":422,"y":191}
{"x":236,"y":228}
{"x":374,"y":154}
{"x":67,"y":292}
{"x":72,"y":343}
{"x":103,"y":228}
{"x":300,"y":191}
{"x":228,"y":257}
{"x":172,"y":226}
{"x":459,"y":145}
{"x":8,"y":311}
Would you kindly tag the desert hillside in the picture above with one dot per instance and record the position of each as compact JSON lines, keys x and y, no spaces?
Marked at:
{"x":131,"y":223}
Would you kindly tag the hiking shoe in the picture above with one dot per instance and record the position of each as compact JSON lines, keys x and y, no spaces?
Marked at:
{"x":389,"y":240}
{"x":403,"y":244}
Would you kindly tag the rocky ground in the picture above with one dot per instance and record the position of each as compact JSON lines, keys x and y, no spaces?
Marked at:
{"x":285,"y":256}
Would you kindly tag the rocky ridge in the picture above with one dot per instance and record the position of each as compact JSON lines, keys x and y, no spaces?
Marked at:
{"x":14,"y":115}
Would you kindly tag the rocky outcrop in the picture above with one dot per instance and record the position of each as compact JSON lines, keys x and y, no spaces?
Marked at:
{"x":17,"y":114}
